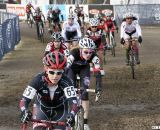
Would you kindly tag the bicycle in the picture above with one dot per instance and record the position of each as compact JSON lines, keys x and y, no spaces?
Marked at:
{"x":49,"y":124}
{"x":41,"y":31}
{"x":73,"y":43}
{"x":54,"y":27}
{"x":30,"y":20}
{"x":132,"y":56}
{"x":79,"y":118}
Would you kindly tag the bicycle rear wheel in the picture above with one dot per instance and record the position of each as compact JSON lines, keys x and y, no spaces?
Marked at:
{"x":79,"y":120}
{"x":41,"y":33}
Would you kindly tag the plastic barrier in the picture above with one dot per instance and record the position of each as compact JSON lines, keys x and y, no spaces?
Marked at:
{"x":9,"y":33}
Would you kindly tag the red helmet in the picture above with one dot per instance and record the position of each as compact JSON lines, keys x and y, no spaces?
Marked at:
{"x":55,"y":60}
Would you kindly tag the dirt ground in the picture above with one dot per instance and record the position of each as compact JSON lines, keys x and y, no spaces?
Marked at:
{"x":126,"y":104}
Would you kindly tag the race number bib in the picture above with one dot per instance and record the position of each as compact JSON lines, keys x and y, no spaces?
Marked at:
{"x":96,"y":62}
{"x":70,"y":92}
{"x":29,"y":92}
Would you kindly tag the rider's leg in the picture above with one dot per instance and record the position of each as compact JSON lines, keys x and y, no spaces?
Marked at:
{"x":85,"y":82}
{"x":107,"y":44}
{"x":37,"y":27}
{"x":135,"y":47}
{"x":127,"y":52}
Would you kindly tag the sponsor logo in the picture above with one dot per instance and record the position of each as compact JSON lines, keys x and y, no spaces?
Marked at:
{"x":94,"y":11}
{"x":107,"y":11}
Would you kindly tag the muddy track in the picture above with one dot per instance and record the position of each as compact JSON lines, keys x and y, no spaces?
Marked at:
{"x":126,"y":104}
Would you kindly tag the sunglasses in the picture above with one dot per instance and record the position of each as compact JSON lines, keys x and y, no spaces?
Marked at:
{"x":88,"y":52}
{"x":53,"y":72}
{"x":128,"y":18}
{"x":94,"y":26}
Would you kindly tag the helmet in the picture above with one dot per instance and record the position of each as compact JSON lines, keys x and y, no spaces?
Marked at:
{"x":87,"y":43}
{"x":70,"y":16}
{"x":55,"y":60}
{"x":108,"y":14}
{"x":56,"y":8}
{"x":93,"y":21}
{"x":128,"y":15}
{"x":37,"y":9}
{"x":57,"y":36}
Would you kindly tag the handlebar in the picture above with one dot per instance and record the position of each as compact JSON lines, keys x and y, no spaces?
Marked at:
{"x":48,"y":123}
{"x":90,"y":91}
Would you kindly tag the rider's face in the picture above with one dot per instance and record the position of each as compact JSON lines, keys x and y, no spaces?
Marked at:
{"x":87,"y":53}
{"x":129,"y":20}
{"x":57,"y":44}
{"x":94,"y":28}
{"x":70,"y":21}
{"x":54,"y":75}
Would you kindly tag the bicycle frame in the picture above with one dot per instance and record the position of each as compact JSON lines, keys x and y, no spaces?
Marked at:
{"x":50,"y":124}
{"x":132,"y":60}
{"x":41,"y":31}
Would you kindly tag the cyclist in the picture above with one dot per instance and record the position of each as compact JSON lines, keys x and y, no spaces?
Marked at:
{"x":49,"y":17}
{"x":109,"y":25}
{"x":52,"y":91}
{"x":78,"y":62}
{"x":55,"y":18}
{"x":131,"y":28}
{"x":101,"y":21}
{"x":38,"y":16}
{"x":71,"y":30}
{"x":80,"y":14}
{"x":94,"y":33}
{"x":29,"y":8}
{"x":57,"y":44}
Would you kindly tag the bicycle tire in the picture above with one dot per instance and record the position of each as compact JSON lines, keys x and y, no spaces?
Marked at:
{"x":132,"y":64}
{"x":104,"y":56}
{"x":112,"y":43}
{"x":41,"y":33}
{"x":79,"y":120}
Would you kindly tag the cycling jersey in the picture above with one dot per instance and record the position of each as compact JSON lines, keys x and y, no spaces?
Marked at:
{"x":109,"y":25}
{"x":38,"y":16}
{"x":28,"y":8}
{"x":50,"y":48}
{"x":71,"y":31}
{"x":132,"y":29}
{"x":76,"y":61}
{"x":78,"y":65}
{"x":55,"y":16}
{"x":51,"y":102}
{"x":95,"y":36}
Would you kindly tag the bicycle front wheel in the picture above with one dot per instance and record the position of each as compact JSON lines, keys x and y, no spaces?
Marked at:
{"x":132,"y":64}
{"x":113,"y":47}
{"x":79,"y":120}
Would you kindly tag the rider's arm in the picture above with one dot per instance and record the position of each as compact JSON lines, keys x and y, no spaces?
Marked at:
{"x":64,"y":30}
{"x":29,"y":94}
{"x":138,"y":29}
{"x":71,"y":96}
{"x":70,"y":60}
{"x":122,"y":30}
{"x":78,"y":30}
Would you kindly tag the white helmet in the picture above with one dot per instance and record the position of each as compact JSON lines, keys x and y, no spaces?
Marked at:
{"x":87,"y":43}
{"x":128,"y":15}
{"x":70,"y":16}
{"x":93,"y":21}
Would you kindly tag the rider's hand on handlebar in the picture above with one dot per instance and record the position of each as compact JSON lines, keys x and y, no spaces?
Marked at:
{"x":26,"y":115}
{"x":98,"y":92}
{"x":122,"y":41}
{"x":70,"y":120}
{"x":140,"y":39}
